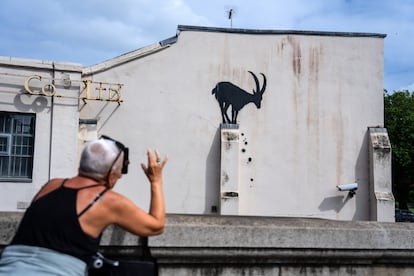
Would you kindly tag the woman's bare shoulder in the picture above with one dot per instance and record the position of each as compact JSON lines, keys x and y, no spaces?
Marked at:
{"x":114,"y":197}
{"x":55,"y":181}
{"x":49,"y":186}
{"x":118,"y":202}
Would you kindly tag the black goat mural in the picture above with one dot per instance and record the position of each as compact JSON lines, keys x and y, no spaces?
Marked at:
{"x":228,"y":94}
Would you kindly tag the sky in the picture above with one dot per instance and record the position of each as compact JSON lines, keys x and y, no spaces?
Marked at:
{"x":92,"y":31}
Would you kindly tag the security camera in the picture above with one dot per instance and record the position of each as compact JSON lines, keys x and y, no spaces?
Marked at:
{"x":349,"y":187}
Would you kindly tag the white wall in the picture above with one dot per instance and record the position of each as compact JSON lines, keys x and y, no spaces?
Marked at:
{"x":310,"y":134}
{"x":56,"y":123}
{"x":323,"y":91}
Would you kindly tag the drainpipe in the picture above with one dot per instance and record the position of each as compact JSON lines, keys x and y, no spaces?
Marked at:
{"x":52,"y":101}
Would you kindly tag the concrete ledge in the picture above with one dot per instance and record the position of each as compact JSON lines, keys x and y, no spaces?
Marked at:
{"x":193,"y":245}
{"x":270,"y":232}
{"x":255,"y":232}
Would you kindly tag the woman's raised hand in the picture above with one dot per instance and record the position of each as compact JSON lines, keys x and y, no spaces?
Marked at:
{"x":153,"y":169}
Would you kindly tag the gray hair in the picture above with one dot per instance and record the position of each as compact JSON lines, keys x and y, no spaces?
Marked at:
{"x":97,"y":158}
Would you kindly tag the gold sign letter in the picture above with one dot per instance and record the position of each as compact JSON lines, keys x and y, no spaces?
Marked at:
{"x":50,"y":87}
{"x":88,"y":89}
{"x":116,"y":96}
{"x":26,"y":84}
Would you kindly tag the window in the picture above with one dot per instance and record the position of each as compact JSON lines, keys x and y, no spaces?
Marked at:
{"x":16,"y":146}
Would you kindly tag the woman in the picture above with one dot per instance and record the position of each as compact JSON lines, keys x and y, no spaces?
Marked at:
{"x":61,"y":229}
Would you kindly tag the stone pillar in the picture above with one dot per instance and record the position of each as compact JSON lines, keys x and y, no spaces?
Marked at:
{"x":382,"y":201}
{"x":229,"y":169}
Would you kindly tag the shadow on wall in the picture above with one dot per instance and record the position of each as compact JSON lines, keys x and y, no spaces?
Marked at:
{"x":335,"y":203}
{"x":361,"y":169}
{"x":212,"y":182}
{"x":25,"y":103}
{"x":361,"y":197}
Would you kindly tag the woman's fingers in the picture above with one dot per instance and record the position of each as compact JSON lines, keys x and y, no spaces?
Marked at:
{"x":154,"y":162}
{"x":157,"y":156}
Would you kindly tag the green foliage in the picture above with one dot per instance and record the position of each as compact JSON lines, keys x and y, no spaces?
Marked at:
{"x":399,"y":121}
{"x":411,"y":196}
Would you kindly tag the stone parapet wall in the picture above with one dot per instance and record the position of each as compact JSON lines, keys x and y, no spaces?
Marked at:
{"x":232,"y":245}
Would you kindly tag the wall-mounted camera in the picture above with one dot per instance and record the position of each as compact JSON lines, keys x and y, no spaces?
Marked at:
{"x":348,"y":187}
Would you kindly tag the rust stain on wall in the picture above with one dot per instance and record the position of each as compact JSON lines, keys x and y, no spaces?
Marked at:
{"x":313,"y":90}
{"x":296,"y":56}
{"x":314,"y":59}
{"x":280,"y":47}
{"x":339,"y":130}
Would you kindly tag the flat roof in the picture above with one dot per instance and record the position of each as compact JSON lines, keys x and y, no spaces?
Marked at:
{"x":277,"y":32}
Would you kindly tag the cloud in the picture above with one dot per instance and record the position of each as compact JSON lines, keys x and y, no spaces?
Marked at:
{"x":408,"y":87}
{"x":92,"y":31}
{"x":89,"y":31}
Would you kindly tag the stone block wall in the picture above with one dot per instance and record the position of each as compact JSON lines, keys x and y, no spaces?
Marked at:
{"x":233,"y":245}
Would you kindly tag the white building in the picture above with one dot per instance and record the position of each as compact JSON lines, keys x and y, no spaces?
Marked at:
{"x":311,"y":133}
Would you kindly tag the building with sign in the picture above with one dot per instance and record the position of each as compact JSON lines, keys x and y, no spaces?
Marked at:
{"x":255,"y":122}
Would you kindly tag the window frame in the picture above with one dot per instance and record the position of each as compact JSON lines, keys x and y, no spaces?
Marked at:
{"x":8,"y":150}
{"x":19,"y":155}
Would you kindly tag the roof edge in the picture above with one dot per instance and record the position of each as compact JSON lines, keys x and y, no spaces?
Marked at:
{"x":276,"y":32}
{"x":40,"y":64}
{"x":124,"y":58}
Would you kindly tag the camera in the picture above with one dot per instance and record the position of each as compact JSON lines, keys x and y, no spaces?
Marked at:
{"x":348,"y":187}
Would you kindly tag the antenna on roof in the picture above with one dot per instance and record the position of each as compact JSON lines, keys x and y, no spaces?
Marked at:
{"x":230,"y":14}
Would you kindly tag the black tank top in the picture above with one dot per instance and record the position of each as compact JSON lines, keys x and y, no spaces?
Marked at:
{"x":51,"y":222}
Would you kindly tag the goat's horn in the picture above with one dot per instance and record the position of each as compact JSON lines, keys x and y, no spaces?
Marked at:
{"x":264,"y":84}
{"x":256,"y":81}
